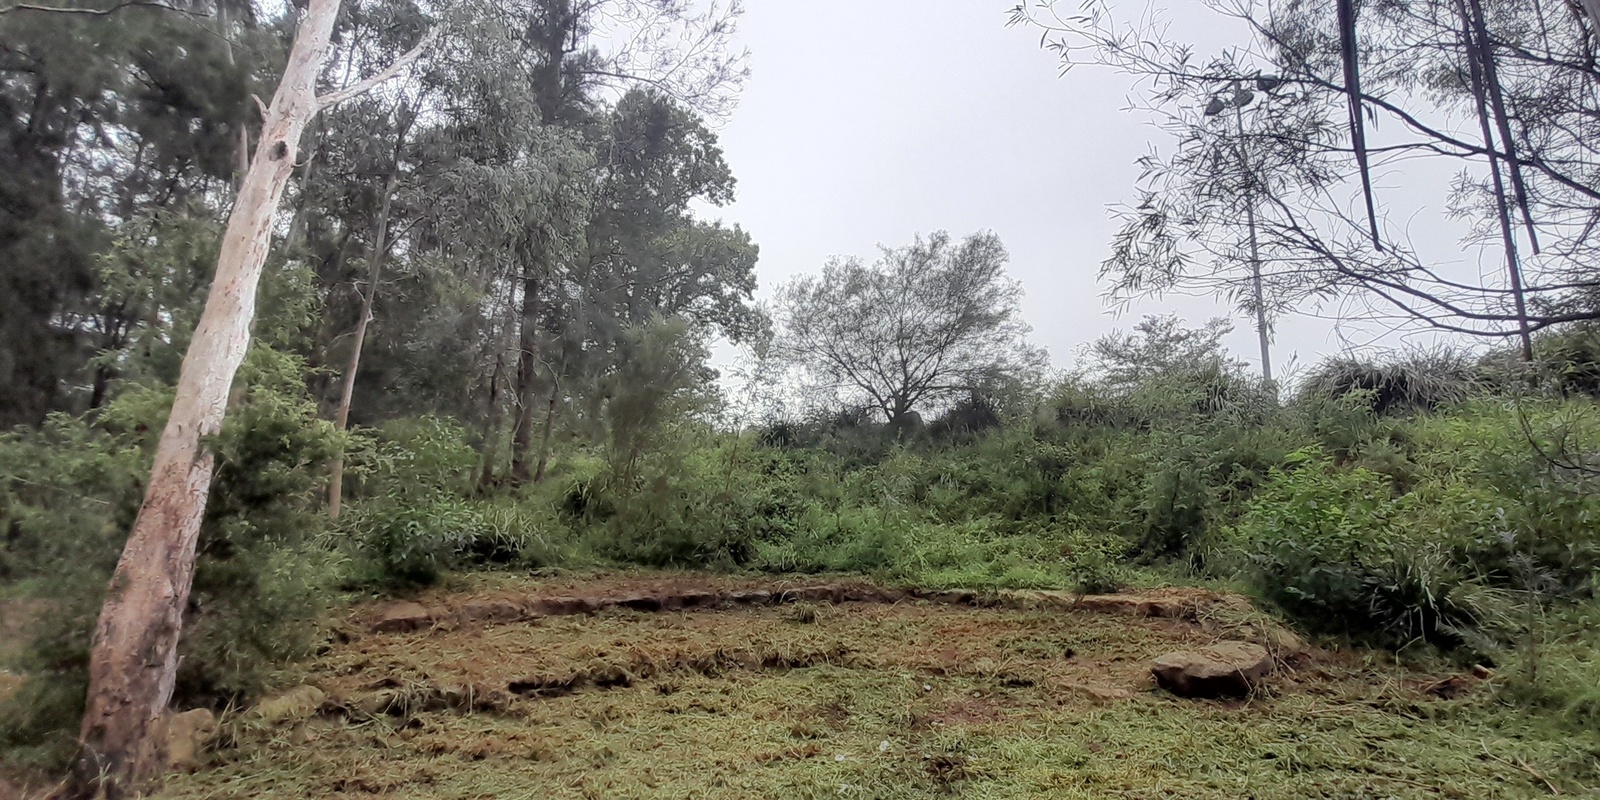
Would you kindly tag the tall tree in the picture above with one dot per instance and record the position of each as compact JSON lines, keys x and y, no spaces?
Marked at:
{"x":102,"y":117}
{"x":925,"y":325}
{"x":133,"y":659}
{"x":684,"y":53}
{"x":1503,"y":92}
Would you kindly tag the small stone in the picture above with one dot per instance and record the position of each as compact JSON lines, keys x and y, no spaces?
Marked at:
{"x":187,"y":736}
{"x":401,"y":617}
{"x":754,"y":597}
{"x":374,"y":703}
{"x":297,"y":704}
{"x":1225,"y":669}
{"x":1283,"y":643}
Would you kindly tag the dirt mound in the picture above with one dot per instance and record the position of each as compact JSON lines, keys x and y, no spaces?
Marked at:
{"x":509,"y":605}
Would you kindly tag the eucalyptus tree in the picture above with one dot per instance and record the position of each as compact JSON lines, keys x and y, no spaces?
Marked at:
{"x":923,"y":326}
{"x":577,"y":50}
{"x":133,"y":654}
{"x":645,"y":257}
{"x":1503,"y":92}
{"x":103,"y":117}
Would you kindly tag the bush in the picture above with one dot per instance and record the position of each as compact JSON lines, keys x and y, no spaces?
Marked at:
{"x":260,"y":583}
{"x":1416,"y":380}
{"x":1331,"y":547}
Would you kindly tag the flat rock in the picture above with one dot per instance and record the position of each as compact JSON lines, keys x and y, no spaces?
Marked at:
{"x":297,"y":704}
{"x":402,"y":616}
{"x":1224,"y":669}
{"x":187,"y":735}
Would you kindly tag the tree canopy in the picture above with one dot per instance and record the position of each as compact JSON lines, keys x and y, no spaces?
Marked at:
{"x":924,"y":325}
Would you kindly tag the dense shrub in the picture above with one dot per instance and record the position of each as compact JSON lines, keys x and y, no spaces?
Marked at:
{"x":1416,"y":380}
{"x":1335,"y":548}
{"x":260,"y":582}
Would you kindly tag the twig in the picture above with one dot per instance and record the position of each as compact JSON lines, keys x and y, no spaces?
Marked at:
{"x":1524,"y":766}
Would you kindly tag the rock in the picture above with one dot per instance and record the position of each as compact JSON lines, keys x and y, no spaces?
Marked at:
{"x":374,"y":703}
{"x":401,"y":617}
{"x":1225,"y":669}
{"x":297,"y":704}
{"x":1283,"y":643}
{"x":187,"y":736}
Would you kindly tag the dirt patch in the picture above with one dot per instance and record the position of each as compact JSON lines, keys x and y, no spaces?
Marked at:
{"x":1026,"y":695}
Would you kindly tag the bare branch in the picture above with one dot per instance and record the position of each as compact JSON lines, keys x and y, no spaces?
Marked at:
{"x":362,"y":87}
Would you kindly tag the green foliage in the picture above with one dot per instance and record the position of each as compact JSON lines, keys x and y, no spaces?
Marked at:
{"x":1416,"y":380}
{"x":1338,"y":550}
{"x":261,"y":582}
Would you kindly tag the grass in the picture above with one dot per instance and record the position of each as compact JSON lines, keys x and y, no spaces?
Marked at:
{"x":909,"y":700}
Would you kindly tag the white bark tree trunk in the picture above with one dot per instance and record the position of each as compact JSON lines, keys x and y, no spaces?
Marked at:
{"x":134,"y":655}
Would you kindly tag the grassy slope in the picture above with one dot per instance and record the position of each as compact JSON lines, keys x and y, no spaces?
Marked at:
{"x":872,"y":701}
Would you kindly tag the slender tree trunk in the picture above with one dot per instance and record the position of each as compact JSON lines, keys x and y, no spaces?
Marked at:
{"x":341,"y":418}
{"x":549,"y":427}
{"x":527,"y":371}
{"x":1477,"y":51}
{"x":133,"y":656}
{"x":491,"y":425}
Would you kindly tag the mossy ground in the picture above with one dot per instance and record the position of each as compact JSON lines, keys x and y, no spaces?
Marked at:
{"x":910,"y":700}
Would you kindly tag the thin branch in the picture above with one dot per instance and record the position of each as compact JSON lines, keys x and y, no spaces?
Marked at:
{"x":362,"y":87}
{"x":98,"y":12}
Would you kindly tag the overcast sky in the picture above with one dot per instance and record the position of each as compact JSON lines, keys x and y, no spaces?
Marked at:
{"x":869,"y":121}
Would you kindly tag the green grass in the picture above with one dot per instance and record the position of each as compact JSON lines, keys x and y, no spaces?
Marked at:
{"x":871,"y":701}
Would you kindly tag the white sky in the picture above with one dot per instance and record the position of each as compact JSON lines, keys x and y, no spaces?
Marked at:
{"x":869,"y":121}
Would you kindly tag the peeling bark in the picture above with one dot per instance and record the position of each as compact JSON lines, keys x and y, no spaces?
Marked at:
{"x":134,"y":653}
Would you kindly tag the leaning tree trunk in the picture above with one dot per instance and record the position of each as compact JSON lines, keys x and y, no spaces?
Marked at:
{"x":134,"y":654}
{"x":341,"y":418}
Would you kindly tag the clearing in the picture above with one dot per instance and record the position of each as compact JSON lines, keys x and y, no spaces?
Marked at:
{"x":655,"y":686}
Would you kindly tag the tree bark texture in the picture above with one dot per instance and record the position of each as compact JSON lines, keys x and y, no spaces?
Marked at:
{"x":134,"y":655}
